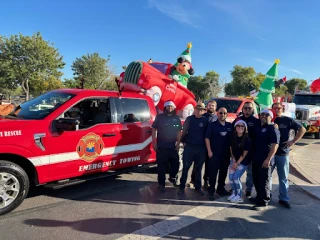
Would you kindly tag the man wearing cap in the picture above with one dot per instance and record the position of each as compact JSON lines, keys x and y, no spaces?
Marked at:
{"x":281,"y":158}
{"x":211,"y":116}
{"x":193,"y":135}
{"x":166,"y":136}
{"x":252,"y":122}
{"x":218,"y":141}
{"x":267,"y":137}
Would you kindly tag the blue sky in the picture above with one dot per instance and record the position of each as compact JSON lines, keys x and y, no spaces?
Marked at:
{"x":223,"y":32}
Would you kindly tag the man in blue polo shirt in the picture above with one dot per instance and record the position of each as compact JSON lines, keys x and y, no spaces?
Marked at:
{"x":218,"y":141}
{"x":267,"y":137}
{"x":281,"y":159}
{"x":166,"y":136}
{"x":193,"y":134}
{"x":252,"y":122}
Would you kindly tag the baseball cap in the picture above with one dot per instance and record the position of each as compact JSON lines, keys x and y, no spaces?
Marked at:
{"x":200,"y":105}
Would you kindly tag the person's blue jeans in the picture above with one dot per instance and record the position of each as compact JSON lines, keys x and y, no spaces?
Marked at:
{"x":190,"y":155}
{"x":282,"y":164}
{"x":234,"y":178}
{"x":249,"y":179}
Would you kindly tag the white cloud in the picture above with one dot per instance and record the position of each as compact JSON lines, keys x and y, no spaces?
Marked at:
{"x":176,"y":11}
{"x":280,"y":66}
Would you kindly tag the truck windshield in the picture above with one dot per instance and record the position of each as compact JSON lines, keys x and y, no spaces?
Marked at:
{"x":308,"y":99}
{"x":42,"y":106}
{"x":231,"y":105}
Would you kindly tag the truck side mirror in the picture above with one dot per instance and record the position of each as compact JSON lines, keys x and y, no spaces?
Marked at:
{"x":66,"y":124}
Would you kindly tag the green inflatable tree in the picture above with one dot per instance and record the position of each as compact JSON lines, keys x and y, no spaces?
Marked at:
{"x":267,"y":87}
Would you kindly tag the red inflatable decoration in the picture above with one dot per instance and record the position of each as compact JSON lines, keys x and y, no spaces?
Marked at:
{"x":315,"y":86}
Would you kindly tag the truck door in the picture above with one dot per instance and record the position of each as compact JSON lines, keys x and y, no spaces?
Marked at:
{"x":134,"y":118}
{"x":94,"y":147}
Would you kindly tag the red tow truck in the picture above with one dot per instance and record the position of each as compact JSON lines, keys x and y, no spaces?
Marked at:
{"x":69,"y":134}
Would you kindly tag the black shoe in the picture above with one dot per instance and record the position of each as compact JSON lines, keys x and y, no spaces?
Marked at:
{"x":211,"y":196}
{"x":223,"y":192}
{"x":199,"y":191}
{"x":248,"y":194}
{"x":285,"y":204}
{"x":181,"y":191}
{"x":161,"y":188}
{"x":173,"y":181}
{"x":253,"y":200}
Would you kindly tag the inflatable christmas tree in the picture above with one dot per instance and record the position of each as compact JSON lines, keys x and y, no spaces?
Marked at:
{"x":264,"y":97}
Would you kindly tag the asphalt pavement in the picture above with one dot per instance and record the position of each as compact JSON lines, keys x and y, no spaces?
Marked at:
{"x":129,"y":206}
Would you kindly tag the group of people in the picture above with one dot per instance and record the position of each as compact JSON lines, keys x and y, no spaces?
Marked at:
{"x":248,"y":144}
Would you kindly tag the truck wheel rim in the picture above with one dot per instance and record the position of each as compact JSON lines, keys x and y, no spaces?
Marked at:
{"x":9,"y":189}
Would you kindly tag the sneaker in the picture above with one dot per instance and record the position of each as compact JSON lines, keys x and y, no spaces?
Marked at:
{"x":248,"y":194}
{"x":180,"y":191}
{"x":285,"y":204}
{"x":161,"y":188}
{"x":237,"y":199}
{"x":231,"y":197}
{"x":190,"y":184}
{"x":199,"y":191}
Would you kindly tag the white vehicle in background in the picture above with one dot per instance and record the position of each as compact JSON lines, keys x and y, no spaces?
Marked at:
{"x":308,"y":111}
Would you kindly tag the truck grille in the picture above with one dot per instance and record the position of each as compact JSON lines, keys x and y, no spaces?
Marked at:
{"x":133,"y":72}
{"x":302,"y":114}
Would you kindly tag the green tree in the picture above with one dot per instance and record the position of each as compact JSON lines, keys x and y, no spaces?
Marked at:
{"x":292,"y":83}
{"x":196,"y":85}
{"x":242,"y":78}
{"x":281,"y":91}
{"x":41,"y":84}
{"x":95,"y":71}
{"x":22,"y":58}
{"x":70,"y":83}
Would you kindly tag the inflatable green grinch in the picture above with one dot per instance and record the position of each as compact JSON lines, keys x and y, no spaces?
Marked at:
{"x":182,"y":70}
{"x":267,"y":87}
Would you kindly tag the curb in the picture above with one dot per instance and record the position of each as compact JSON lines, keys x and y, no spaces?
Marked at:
{"x":306,"y":177}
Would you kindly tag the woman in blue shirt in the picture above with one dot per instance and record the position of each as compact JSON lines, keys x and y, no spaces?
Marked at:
{"x":239,"y":159}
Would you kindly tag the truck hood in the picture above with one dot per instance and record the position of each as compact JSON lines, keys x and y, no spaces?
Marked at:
{"x":308,"y":107}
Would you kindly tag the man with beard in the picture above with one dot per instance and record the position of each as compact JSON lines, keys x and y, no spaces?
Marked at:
{"x":211,"y":116}
{"x":218,"y":141}
{"x":166,"y":136}
{"x":252,"y":123}
{"x":267,"y":137}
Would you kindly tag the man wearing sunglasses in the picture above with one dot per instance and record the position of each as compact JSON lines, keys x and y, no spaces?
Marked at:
{"x":252,"y":122}
{"x":281,"y":159}
{"x":218,"y":141}
{"x":267,"y":137}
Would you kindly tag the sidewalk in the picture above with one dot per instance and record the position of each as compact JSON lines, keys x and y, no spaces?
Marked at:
{"x":305,"y":168}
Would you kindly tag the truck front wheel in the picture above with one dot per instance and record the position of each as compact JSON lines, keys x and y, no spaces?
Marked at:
{"x":317,"y":135}
{"x":14,"y":186}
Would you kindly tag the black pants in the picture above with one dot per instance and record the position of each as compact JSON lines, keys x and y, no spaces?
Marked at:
{"x":218,"y":164}
{"x":206,"y":170}
{"x":261,"y":180}
{"x":165,"y":155}
{"x":190,"y":155}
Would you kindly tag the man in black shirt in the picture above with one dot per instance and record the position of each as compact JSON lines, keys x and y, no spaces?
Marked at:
{"x":267,"y":137}
{"x":167,"y":126}
{"x":218,"y":141}
{"x":281,"y":159}
{"x":252,"y":123}
{"x":193,"y":134}
{"x":211,"y":116}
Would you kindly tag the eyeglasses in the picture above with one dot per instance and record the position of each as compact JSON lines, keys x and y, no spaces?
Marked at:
{"x":222,"y":113}
{"x":247,"y":108}
{"x":264,"y":114}
{"x":240,"y":126}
